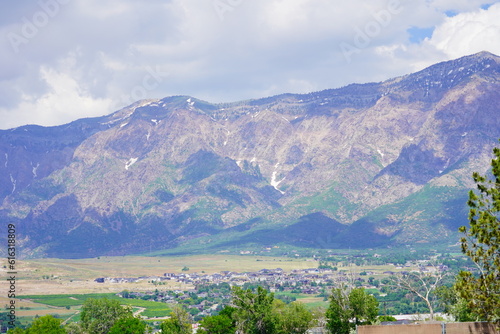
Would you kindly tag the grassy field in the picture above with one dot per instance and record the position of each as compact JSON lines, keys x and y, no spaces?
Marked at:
{"x":309,"y":300}
{"x":126,"y":266}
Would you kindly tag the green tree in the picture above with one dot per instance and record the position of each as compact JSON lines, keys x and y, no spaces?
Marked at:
{"x":126,"y":294}
{"x":46,"y":325}
{"x":73,"y":328}
{"x":364,"y":307}
{"x":128,"y":325}
{"x":222,"y":323}
{"x":5,"y":321}
{"x":338,"y":313}
{"x":178,"y":323}
{"x":16,"y":330}
{"x":292,"y":318}
{"x":454,"y":305}
{"x":346,"y":310}
{"x":481,"y":243}
{"x":253,"y":312}
{"x":98,"y":315}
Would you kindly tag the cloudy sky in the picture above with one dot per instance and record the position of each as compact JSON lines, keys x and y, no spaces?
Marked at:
{"x":61,"y":60}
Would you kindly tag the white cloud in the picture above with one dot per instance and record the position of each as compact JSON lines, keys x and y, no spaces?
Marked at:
{"x":64,"y":102}
{"x":469,"y":33}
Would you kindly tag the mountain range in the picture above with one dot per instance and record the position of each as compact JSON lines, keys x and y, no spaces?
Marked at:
{"x":362,"y":166}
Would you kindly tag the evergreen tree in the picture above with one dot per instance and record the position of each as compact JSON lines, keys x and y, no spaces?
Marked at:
{"x":481,"y":244}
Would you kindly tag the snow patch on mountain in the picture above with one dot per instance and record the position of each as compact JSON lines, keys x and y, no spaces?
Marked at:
{"x":13,"y":181}
{"x":130,"y":162}
{"x":275,"y":183}
{"x":34,"y":169}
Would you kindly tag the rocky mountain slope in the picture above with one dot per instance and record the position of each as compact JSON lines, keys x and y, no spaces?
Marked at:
{"x":365,"y":165}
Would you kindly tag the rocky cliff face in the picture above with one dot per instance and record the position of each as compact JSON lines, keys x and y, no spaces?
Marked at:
{"x":360,"y":166}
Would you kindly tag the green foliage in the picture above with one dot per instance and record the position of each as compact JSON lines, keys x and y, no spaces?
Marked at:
{"x":46,"y":325}
{"x":292,"y":318}
{"x":364,"y":307}
{"x":253,"y":312}
{"x":454,"y":305}
{"x":73,"y":328}
{"x":481,"y":244}
{"x":217,"y":324}
{"x":435,"y":205}
{"x":128,"y":325}
{"x":178,"y":323}
{"x":5,"y":320}
{"x":286,"y":298}
{"x":125,"y":294}
{"x":222,"y":323}
{"x":338,"y":313}
{"x":383,"y":318}
{"x":99,"y":315}
{"x":348,"y":310}
{"x":16,"y":330}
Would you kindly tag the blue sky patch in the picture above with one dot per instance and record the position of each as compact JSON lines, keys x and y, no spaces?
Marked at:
{"x":417,"y":35}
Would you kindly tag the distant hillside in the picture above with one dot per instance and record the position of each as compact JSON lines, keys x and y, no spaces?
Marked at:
{"x":366,"y":165}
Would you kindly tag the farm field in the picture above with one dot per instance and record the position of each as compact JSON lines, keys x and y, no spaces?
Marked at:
{"x":27,"y":310}
{"x":146,"y":308}
{"x":67,"y":307}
